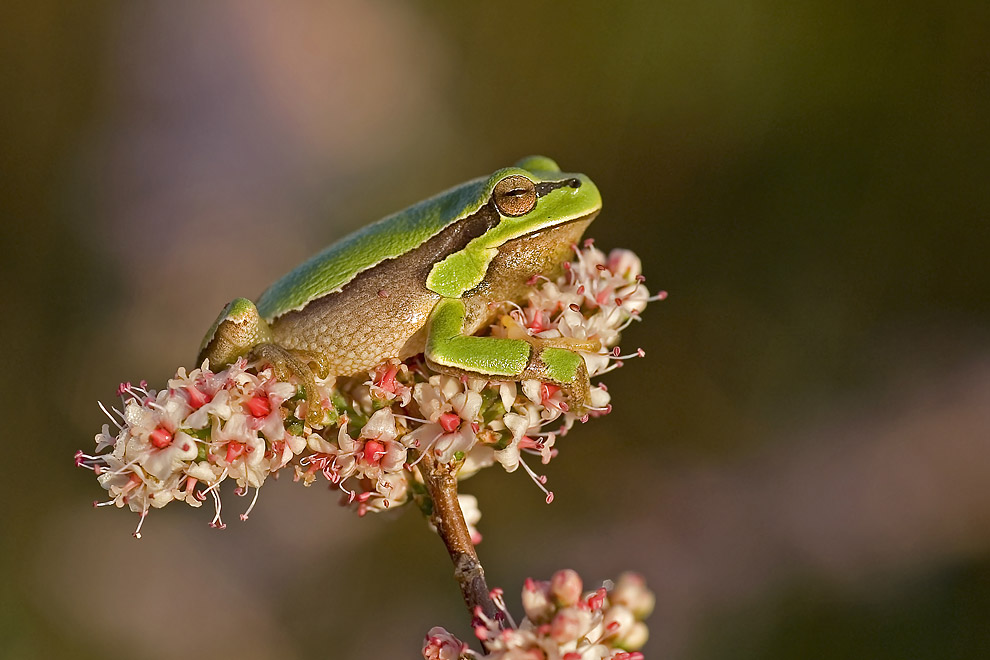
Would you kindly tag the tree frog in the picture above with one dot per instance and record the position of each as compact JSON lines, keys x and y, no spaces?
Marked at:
{"x":424,"y":280}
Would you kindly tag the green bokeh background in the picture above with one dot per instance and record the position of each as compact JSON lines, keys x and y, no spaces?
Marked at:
{"x":798,"y":467}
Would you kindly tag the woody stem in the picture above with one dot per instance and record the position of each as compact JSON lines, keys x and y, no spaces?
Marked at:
{"x":447,"y":517}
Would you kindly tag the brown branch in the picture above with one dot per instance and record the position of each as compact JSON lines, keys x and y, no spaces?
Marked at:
{"x":447,"y":517}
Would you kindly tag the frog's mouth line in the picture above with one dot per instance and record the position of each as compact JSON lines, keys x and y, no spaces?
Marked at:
{"x":586,"y":218}
{"x":581,"y":218}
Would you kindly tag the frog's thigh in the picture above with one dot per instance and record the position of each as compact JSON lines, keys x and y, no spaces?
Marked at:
{"x":447,"y":346}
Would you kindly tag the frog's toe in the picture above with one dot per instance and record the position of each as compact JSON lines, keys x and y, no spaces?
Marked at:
{"x":287,"y":364}
{"x":578,"y":391}
{"x":566,"y":369}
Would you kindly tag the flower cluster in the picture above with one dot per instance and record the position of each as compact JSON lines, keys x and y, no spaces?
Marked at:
{"x":562,"y":623}
{"x":182,"y":442}
{"x":244,"y":423}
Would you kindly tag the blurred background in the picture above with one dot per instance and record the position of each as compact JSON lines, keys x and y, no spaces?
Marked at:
{"x":800,"y":466}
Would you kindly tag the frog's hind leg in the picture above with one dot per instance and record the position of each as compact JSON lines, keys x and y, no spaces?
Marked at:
{"x":507,"y":358}
{"x":288,"y":363}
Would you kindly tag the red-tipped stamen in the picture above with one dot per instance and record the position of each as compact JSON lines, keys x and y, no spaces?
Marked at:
{"x":254,"y":500}
{"x":217,"y":522}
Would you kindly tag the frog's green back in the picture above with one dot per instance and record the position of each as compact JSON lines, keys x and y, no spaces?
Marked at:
{"x":390,"y":237}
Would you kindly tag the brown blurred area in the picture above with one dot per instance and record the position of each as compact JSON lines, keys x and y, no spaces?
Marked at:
{"x":799,"y":466}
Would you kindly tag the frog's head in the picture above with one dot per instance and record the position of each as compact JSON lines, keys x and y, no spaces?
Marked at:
{"x":535,"y":195}
{"x":539,"y":208}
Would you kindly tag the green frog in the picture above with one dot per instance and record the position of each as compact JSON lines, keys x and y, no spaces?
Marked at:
{"x":424,"y":280}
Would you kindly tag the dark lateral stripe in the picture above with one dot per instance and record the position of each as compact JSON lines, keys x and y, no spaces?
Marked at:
{"x":545,"y":187}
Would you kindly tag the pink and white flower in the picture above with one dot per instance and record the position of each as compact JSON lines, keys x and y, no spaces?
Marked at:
{"x":561,"y":623}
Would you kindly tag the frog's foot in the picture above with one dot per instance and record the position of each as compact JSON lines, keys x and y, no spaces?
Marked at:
{"x":515,"y":330}
{"x":288,"y":363}
{"x":555,"y":361}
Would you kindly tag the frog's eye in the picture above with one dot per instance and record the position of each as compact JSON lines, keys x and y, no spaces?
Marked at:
{"x":514,"y":195}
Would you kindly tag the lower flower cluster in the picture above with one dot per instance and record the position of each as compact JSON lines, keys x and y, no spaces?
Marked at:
{"x":244,"y":423}
{"x":563,"y":622}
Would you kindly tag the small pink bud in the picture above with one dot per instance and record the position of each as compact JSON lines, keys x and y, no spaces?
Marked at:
{"x":630,"y":590}
{"x":568,"y":625}
{"x":618,"y":621}
{"x":536,"y":600}
{"x":566,"y":587}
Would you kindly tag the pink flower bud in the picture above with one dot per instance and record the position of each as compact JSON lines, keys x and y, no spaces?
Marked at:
{"x":536,"y":600}
{"x":634,"y":639}
{"x":618,"y":621}
{"x":441,"y":645}
{"x":624,"y":263}
{"x":569,"y":624}
{"x":630,"y":590}
{"x":566,"y":587}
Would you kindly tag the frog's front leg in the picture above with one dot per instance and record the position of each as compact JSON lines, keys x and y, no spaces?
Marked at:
{"x":449,"y":349}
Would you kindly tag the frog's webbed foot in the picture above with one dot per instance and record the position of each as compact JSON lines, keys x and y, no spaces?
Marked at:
{"x":556,"y":361}
{"x":288,"y":363}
